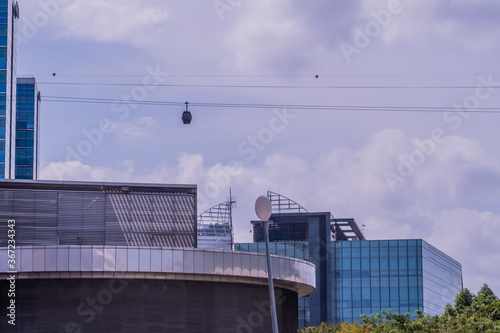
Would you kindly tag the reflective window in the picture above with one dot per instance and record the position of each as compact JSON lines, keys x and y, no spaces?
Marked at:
{"x":254,"y":264}
{"x":74,"y":259}
{"x":109,"y":259}
{"x":133,"y":259}
{"x":167,"y":261}
{"x":365,"y":264}
{"x":237,"y":262}
{"x":27,"y":260}
{"x":374,"y":262}
{"x":50,"y":259}
{"x":394,"y":294}
{"x":145,"y":260}
{"x":375,"y":293}
{"x":393,"y":263}
{"x":199,"y":262}
{"x":228,"y":263}
{"x":245,"y":265}
{"x":356,"y":264}
{"x":97,"y":259}
{"x":262,"y":266}
{"x":178,"y":258}
{"x":121,"y":260}
{"x":384,"y":263}
{"x":280,"y":249}
{"x":62,"y":259}
{"x":86,"y":259}
{"x":365,"y":293}
{"x":188,"y":258}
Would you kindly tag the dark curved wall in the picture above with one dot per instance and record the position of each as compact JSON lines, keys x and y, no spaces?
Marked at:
{"x":111,"y":305}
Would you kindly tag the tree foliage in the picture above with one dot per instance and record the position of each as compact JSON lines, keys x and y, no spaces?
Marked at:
{"x":471,"y":313}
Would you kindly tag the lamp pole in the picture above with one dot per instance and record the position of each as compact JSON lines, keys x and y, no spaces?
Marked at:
{"x":263,"y":209}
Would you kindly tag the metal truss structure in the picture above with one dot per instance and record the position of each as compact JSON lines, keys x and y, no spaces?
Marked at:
{"x":282,"y":204}
{"x":215,"y":227}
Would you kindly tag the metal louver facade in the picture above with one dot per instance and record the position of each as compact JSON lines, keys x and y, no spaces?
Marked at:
{"x":74,"y":213}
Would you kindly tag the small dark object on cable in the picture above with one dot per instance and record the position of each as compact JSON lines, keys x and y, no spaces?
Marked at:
{"x":187,"y":116}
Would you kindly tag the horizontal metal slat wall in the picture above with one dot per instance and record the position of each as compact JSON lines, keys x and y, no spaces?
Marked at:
{"x":69,"y":217}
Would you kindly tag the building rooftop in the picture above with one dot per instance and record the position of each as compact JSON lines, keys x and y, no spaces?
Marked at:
{"x":122,"y":187}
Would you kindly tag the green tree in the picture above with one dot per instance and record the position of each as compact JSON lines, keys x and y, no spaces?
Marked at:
{"x":486,"y":293}
{"x":449,"y":311}
{"x":486,"y":304}
{"x":464,"y":300}
{"x":472,"y":314}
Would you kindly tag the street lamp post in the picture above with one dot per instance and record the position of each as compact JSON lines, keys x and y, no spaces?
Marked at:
{"x":263,"y":209}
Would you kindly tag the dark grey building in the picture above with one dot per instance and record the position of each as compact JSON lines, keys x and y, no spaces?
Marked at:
{"x":114,"y":257}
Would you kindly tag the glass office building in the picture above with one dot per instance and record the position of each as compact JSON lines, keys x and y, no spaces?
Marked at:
{"x":356,"y":276}
{"x":401,"y":275}
{"x":371,"y":276}
{"x":27,"y":129}
{"x":9,"y":13}
{"x":18,"y":124}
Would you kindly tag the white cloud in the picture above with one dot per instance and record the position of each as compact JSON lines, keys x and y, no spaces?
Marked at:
{"x":141,"y":128}
{"x":465,"y":23}
{"x":264,"y":32}
{"x":125,"y":21}
{"x":473,"y":237}
{"x":351,"y":183}
{"x":75,"y":170}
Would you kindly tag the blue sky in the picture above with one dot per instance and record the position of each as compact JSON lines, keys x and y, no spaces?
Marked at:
{"x":403,"y":174}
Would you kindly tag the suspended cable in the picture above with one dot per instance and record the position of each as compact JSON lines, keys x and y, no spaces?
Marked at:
{"x":275,"y":75}
{"x":263,"y":86}
{"x":421,"y":109}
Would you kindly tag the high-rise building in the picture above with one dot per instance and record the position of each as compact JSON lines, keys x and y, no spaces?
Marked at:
{"x":18,"y":123}
{"x":27,"y":128}
{"x":9,"y":13}
{"x":356,"y":276}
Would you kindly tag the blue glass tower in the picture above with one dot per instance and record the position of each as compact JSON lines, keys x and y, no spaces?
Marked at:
{"x":356,"y":276}
{"x":9,"y":13}
{"x":366,"y":277}
{"x":27,"y":130}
